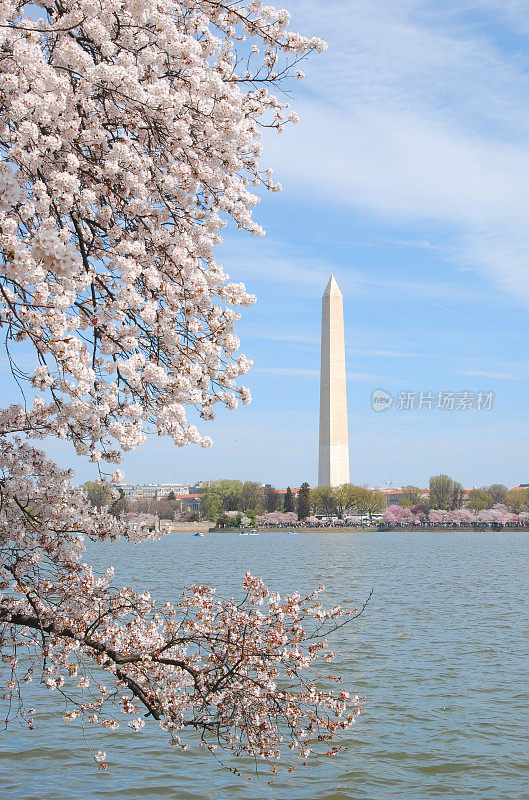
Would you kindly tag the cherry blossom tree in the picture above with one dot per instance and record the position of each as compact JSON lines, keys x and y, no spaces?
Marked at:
{"x":437,"y":516}
{"x":499,"y":514}
{"x":398,"y":515}
{"x":280,"y":518}
{"x":465,"y":516}
{"x":129,"y":137}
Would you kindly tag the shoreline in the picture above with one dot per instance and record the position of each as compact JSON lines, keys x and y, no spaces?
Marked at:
{"x":200,"y":527}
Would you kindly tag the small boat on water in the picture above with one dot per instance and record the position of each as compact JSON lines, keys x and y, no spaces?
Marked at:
{"x":242,"y":533}
{"x":253,"y":533}
{"x":199,"y":533}
{"x":292,"y":533}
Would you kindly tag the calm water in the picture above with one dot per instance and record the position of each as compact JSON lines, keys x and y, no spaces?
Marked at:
{"x":442,"y":654}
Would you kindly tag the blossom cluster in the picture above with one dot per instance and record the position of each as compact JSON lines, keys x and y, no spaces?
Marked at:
{"x":278,"y":518}
{"x":499,"y":514}
{"x":129,"y":136}
{"x":240,"y":673}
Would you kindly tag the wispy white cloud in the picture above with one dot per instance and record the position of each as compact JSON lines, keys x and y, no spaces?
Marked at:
{"x":481,"y":322}
{"x":283,"y":336}
{"x":420,"y":244}
{"x":366,"y":351}
{"x":441,"y":59}
{"x":364,"y":376}
{"x":298,"y":372}
{"x":288,"y":372}
{"x":512,"y":13}
{"x":501,"y":376}
{"x":416,"y":114}
{"x":278,"y":262}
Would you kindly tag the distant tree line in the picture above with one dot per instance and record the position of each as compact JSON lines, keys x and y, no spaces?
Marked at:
{"x":447,"y":494}
{"x":250,"y":499}
{"x":347,"y":499}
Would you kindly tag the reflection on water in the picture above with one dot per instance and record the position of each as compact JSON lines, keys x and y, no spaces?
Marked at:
{"x":441,"y":653}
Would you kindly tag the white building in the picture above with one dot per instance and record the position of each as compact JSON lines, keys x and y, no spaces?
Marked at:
{"x":151,"y":491}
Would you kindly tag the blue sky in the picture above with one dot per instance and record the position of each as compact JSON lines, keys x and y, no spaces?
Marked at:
{"x":408,"y":177}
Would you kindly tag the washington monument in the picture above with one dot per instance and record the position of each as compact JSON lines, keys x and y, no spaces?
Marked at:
{"x":333,"y":469}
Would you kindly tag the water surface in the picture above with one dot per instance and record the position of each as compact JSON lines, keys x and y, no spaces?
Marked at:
{"x":441,"y":654}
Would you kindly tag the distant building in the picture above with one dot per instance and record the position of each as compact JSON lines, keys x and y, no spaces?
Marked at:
{"x":151,"y":491}
{"x":192,"y":501}
{"x":394,"y":496}
{"x":126,"y":488}
{"x":198,"y":488}
{"x":177,"y":488}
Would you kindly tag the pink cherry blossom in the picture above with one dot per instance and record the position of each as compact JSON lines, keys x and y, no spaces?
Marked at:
{"x":396,"y":514}
{"x":129,"y":138}
{"x":280,"y":518}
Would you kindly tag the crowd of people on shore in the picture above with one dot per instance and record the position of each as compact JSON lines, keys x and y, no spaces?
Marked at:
{"x":396,"y":516}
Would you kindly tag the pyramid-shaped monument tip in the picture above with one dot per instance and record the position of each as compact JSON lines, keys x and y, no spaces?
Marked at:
{"x":332,"y":286}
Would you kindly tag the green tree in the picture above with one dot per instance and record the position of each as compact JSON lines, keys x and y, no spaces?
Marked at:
{"x":363,"y":500}
{"x":441,"y":492}
{"x":231,"y":494}
{"x":251,"y":517}
{"x":303,"y":504}
{"x":323,"y":500}
{"x":516,"y":500}
{"x":252,"y":497}
{"x":360,"y":499}
{"x":458,"y":495}
{"x":211,"y":505}
{"x":98,"y":494}
{"x":411,"y":496}
{"x":345,"y":498}
{"x":375,"y":502}
{"x":171,"y":495}
{"x":272,"y":499}
{"x":288,"y":502}
{"x":222,"y":495}
{"x":497,"y":492}
{"x":229,"y":521}
{"x":479,"y":499}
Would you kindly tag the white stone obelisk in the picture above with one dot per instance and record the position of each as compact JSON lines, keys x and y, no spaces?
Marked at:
{"x":333,"y":469}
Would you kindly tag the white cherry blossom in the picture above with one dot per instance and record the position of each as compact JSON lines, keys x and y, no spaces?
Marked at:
{"x":129,"y":138}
